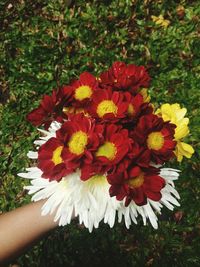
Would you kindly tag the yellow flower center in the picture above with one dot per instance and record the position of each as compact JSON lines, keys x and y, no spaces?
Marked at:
{"x":68,"y":110}
{"x":107,"y":150}
{"x":78,"y":142}
{"x":105,"y":107}
{"x":155,"y":140}
{"x":96,"y":180}
{"x":131,"y":109}
{"x":83,"y":92}
{"x":136,"y":181}
{"x":144,"y":94}
{"x":56,"y":158}
{"x":72,"y":110}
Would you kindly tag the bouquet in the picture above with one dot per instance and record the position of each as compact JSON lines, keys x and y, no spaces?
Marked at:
{"x":103,"y":148}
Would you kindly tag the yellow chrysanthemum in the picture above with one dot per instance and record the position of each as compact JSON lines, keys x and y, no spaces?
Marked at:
{"x":175,"y":114}
{"x":183,"y":150}
{"x":161,"y":21}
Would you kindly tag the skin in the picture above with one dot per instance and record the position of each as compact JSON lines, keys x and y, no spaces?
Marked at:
{"x":21,"y":227}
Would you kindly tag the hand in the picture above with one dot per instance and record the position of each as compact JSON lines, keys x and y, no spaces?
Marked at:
{"x":22,"y":227}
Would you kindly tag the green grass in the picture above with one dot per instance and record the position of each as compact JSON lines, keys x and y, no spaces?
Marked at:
{"x":45,"y":44}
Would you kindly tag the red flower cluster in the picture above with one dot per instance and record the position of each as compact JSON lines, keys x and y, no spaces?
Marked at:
{"x":108,"y":127}
{"x":125,"y":77}
{"x":51,"y":108}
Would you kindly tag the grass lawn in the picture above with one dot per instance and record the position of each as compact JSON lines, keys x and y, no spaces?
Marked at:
{"x":45,"y":43}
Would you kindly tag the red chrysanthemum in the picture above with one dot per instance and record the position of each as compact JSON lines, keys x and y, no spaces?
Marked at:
{"x":51,"y":108}
{"x":81,"y":136}
{"x":84,"y":88}
{"x":123,"y":77}
{"x":50,"y":159}
{"x":108,"y":105}
{"x":136,"y":184}
{"x":115,"y":146}
{"x":136,"y":107}
{"x":156,"y":137}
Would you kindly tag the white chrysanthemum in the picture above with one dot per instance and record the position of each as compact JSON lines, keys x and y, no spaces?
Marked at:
{"x":46,"y":136}
{"x":90,"y":200}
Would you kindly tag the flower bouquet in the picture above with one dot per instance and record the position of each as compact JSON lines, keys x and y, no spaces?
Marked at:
{"x":102,"y":150}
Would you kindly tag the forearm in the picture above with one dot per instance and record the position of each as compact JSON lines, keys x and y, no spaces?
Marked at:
{"x":21,"y":227}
